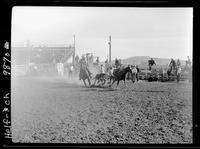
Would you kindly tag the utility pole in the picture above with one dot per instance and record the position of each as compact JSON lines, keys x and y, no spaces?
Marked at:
{"x":109,"y":49}
{"x":28,"y":55}
{"x":74,"y":51}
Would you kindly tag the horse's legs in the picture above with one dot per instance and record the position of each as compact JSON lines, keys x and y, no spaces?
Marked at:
{"x":103,"y":81}
{"x":133,"y":78}
{"x":110,"y":79}
{"x":94,"y":81}
{"x":125,"y":83}
{"x":137,"y":76}
{"x":89,"y":82}
{"x":117,"y":84}
{"x":98,"y":82}
{"x":112,"y":82}
{"x":84,"y":83}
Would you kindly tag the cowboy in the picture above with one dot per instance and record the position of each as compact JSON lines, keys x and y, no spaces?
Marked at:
{"x":117,"y":63}
{"x":60,"y":68}
{"x":178,"y":63}
{"x":172,"y":64}
{"x":137,"y":74}
{"x":134,"y":71}
{"x":189,"y":61}
{"x":97,"y":60}
{"x":102,"y":69}
{"x":71,"y":69}
{"x":151,"y":62}
{"x":83,"y":65}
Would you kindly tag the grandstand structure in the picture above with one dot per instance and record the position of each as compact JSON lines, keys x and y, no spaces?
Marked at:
{"x":43,"y":57}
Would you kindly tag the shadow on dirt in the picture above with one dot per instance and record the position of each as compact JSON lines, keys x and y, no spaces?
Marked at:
{"x":98,"y":88}
{"x":148,"y":91}
{"x":107,"y":90}
{"x":64,"y":85}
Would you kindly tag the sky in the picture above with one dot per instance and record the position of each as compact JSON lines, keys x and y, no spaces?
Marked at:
{"x":135,"y":31}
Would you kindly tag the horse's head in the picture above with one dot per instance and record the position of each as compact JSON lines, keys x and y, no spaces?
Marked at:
{"x":128,"y":69}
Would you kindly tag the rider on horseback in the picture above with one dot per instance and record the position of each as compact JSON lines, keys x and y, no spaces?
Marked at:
{"x":188,"y":62}
{"x":83,"y":65}
{"x":151,"y":62}
{"x":172,"y":64}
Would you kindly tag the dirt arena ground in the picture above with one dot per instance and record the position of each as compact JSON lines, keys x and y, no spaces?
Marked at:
{"x":55,"y":110}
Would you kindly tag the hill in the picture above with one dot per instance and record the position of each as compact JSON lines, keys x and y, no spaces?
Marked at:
{"x":142,"y":61}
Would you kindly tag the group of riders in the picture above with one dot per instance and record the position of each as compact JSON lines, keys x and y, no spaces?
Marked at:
{"x":175,"y":67}
{"x":85,"y":73}
{"x":105,"y":68}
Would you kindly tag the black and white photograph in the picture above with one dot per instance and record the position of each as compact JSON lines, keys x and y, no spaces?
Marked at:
{"x":102,"y":75}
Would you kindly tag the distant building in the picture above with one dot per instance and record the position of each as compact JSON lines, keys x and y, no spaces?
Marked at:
{"x":41,"y":55}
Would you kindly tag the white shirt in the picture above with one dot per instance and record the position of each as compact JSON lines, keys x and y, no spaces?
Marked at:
{"x":71,"y":68}
{"x":179,"y":70}
{"x":134,"y":70}
{"x":102,"y":70}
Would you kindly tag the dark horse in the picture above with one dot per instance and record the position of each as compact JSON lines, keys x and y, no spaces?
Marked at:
{"x":84,"y":75}
{"x":120,"y":74}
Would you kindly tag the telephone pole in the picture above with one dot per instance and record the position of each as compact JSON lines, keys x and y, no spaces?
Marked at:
{"x":28,"y":57}
{"x":74,"y":52}
{"x":109,"y":49}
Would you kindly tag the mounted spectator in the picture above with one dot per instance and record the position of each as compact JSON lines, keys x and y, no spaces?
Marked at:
{"x":188,"y":62}
{"x":172,"y":64}
{"x":151,"y":62}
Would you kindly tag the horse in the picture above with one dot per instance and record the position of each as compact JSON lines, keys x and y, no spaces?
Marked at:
{"x":176,"y":72}
{"x":84,"y":75}
{"x":120,"y":74}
